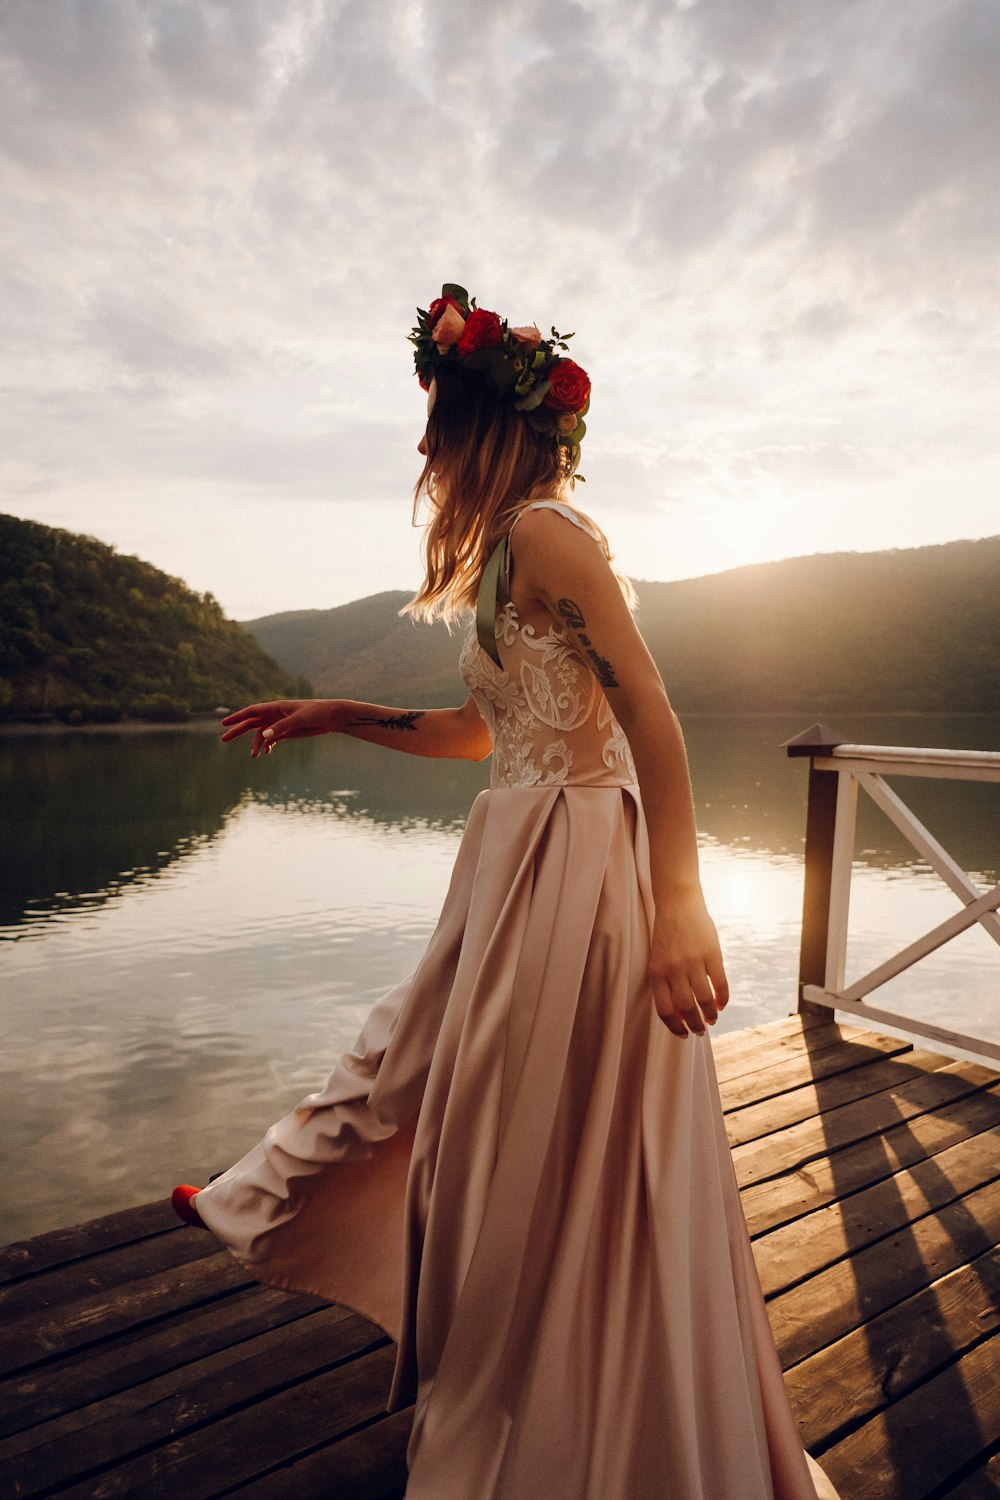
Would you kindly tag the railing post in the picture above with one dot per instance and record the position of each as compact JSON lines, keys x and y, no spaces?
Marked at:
{"x":821,"y":822}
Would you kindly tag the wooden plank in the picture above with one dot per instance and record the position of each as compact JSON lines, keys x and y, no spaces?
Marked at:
{"x":828,"y":1133}
{"x":759,"y":1056}
{"x":87,"y":1375}
{"x":367,"y":1465}
{"x":793,"y":1024}
{"x":808,"y":1094}
{"x":793,"y":1067}
{"x":881,"y":1015}
{"x":59,"y":1246}
{"x":238,"y":1448}
{"x":99,"y":1273}
{"x":99,"y":1436}
{"x":946,"y":1421}
{"x":827,"y":1306}
{"x":866,"y":1371}
{"x":794,"y":1194}
{"x":31,"y":1339}
{"x":982,"y":1484}
{"x":787,"y":1255}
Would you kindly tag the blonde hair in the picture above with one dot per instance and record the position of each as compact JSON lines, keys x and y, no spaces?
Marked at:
{"x":484,"y":463}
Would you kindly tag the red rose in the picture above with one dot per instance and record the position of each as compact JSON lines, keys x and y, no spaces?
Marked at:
{"x":569,"y":386}
{"x":483,"y":330}
{"x":438,"y":306}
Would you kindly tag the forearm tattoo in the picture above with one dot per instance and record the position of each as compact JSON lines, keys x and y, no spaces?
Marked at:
{"x":396,"y":721}
{"x":573,"y":615}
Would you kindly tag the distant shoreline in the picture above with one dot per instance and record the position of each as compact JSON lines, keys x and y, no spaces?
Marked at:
{"x":200,"y":724}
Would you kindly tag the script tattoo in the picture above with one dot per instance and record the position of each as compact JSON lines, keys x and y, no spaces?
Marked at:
{"x":398,"y":721}
{"x":602,"y":668}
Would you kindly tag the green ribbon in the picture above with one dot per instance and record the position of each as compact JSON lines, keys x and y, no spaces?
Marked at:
{"x":493,"y":588}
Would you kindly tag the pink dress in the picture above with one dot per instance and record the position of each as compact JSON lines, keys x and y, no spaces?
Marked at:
{"x":519,"y":1172}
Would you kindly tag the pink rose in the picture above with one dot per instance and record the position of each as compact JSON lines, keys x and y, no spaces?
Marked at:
{"x":448,"y":329}
{"x":568,"y":421}
{"x":438,"y":306}
{"x":530,"y":337}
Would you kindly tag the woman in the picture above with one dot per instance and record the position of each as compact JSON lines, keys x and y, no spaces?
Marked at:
{"x":522,"y":1171}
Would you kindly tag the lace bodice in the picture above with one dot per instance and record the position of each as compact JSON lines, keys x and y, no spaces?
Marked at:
{"x":550,"y":719}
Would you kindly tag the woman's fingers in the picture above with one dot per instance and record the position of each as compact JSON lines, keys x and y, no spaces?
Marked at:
{"x":252,"y":710}
{"x":686,"y":999}
{"x":720,"y":983}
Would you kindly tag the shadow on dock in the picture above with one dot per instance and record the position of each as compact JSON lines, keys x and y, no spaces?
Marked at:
{"x":138,"y":1358}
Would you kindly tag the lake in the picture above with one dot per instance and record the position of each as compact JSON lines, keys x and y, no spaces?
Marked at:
{"x":189,"y":938}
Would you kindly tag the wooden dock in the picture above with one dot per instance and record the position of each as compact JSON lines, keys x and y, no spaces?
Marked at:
{"x":139,"y":1359}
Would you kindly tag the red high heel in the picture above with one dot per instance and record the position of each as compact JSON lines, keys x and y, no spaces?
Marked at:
{"x":182,"y":1200}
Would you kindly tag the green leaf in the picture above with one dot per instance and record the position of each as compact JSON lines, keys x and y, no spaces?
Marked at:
{"x":541,"y":421}
{"x":578,"y":434}
{"x":538,"y":395}
{"x":450,"y":289}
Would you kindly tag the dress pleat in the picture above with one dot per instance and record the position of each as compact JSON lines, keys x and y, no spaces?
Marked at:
{"x":521,"y":1174}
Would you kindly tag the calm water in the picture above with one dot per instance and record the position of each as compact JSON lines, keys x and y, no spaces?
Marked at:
{"x":188,"y":938}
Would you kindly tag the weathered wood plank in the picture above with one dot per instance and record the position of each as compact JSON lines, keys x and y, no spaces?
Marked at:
{"x":758,"y":1056}
{"x":891,"y":1354}
{"x":926,"y":1438}
{"x":794,"y":1194}
{"x":869,"y":1180}
{"x":982,"y":1484}
{"x":240,"y":1447}
{"x":807,"y":1096}
{"x":99,"y":1273}
{"x":98,"y":1436}
{"x":30,"y":1339}
{"x":367,"y":1465}
{"x":841,"y":1298}
{"x":840,"y":1059}
{"x":787,"y":1255}
{"x":828,"y":1133}
{"x":59,"y":1246}
{"x":86,"y":1375}
{"x":744,"y":1040}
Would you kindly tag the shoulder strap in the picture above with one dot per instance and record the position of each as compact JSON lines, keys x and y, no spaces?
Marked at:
{"x":494,"y":588}
{"x":492,"y":591}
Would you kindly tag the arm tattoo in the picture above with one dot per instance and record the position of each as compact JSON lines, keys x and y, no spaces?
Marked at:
{"x":398,"y":721}
{"x":602,"y":668}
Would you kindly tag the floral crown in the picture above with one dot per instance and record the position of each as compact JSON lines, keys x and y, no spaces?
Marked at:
{"x":552,"y":392}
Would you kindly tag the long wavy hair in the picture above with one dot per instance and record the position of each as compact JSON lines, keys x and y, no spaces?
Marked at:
{"x":484,"y":463}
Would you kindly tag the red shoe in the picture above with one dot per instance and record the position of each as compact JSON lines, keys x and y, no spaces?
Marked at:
{"x":182,"y":1199}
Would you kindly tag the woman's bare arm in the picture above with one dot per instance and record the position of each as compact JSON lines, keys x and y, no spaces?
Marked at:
{"x":566,"y":570}
{"x":458,"y":733}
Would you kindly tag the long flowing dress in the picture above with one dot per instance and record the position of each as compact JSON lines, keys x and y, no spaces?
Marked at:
{"x":520,"y":1172}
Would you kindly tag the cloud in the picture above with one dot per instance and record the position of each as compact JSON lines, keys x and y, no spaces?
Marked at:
{"x":772,"y":225}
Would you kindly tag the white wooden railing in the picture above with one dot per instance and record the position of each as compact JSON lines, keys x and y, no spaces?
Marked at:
{"x":837,"y":770}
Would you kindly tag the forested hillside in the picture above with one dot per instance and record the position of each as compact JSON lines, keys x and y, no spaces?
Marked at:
{"x":914,"y":629}
{"x":87,"y":634}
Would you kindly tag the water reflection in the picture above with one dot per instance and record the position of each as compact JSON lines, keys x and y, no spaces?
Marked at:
{"x":203,"y":933}
{"x":750,"y":794}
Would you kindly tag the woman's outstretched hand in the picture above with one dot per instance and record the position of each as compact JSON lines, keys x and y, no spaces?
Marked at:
{"x":686,"y":971}
{"x":282,"y":719}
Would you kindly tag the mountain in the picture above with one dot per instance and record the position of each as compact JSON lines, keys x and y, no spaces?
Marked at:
{"x":909,"y":629}
{"x":365,"y":650}
{"x":88,"y":634}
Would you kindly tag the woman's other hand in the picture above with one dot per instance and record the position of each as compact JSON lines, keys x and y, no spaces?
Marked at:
{"x":686,"y":971}
{"x":282,"y":719}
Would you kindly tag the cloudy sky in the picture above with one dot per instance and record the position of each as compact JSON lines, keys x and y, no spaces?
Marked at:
{"x":773,"y":225}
